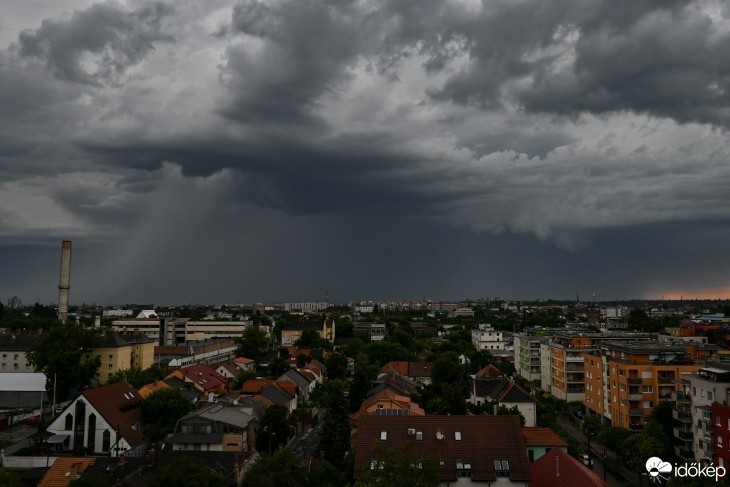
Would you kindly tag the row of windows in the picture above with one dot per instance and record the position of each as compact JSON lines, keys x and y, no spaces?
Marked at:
{"x":15,"y":366}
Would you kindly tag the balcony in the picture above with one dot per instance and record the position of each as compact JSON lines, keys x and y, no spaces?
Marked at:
{"x":573,"y":359}
{"x":636,"y":412}
{"x":707,"y":440}
{"x":665,"y":379}
{"x":634,"y":381}
{"x":635,"y":397}
{"x":681,"y":397}
{"x":683,"y":435}
{"x":684,"y":453}
{"x":683,"y":416}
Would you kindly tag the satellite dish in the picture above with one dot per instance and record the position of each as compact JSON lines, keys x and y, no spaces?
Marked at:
{"x":439,"y":435}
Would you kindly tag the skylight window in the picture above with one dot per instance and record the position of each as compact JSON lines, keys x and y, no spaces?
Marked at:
{"x":383,"y":435}
{"x":457,"y":435}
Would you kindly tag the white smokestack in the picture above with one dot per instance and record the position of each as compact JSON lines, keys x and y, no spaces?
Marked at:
{"x":64,"y":283}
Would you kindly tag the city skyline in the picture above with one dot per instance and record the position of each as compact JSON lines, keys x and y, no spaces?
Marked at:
{"x":270,"y":151}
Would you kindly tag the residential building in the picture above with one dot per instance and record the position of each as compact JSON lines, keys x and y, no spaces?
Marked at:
{"x":13,"y":348}
{"x":203,"y":377}
{"x":485,"y":337}
{"x":387,"y":403}
{"x":65,"y":470}
{"x":527,"y":356}
{"x":105,"y":420}
{"x":566,"y":351}
{"x":559,"y":469}
{"x":306,"y":307}
{"x":376,"y":331}
{"x":540,"y":440}
{"x":304,"y":384}
{"x":504,"y":392}
{"x":232,"y":368}
{"x":119,"y":352}
{"x":418,"y":371}
{"x":292,"y":332}
{"x":469,"y":450}
{"x":216,"y":427}
{"x":212,"y":352}
{"x":148,"y":389}
{"x":721,"y":431}
{"x":164,"y":331}
{"x":683,"y":427}
{"x":709,"y":385}
{"x":625,"y":380}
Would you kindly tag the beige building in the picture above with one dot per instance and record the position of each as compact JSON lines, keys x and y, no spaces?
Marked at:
{"x":119,"y":352}
{"x":293,"y":332}
{"x":13,"y":347}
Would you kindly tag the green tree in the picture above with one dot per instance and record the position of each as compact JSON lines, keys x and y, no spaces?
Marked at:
{"x":163,"y":408}
{"x":62,"y":354}
{"x":9,"y":479}
{"x":361,"y":379}
{"x":326,"y":475}
{"x":506,"y":367}
{"x":282,"y":469}
{"x":613,"y":437}
{"x":639,"y":320}
{"x":336,"y":365}
{"x":637,"y":449}
{"x":274,"y":429}
{"x":137,"y":377}
{"x":242,"y":377}
{"x":447,"y":369}
{"x":401,"y":469}
{"x":662,"y":414}
{"x":307,"y":338}
{"x":187,"y":472}
{"x":253,"y":342}
{"x":335,"y":438}
{"x":503,"y":410}
{"x":654,"y":430}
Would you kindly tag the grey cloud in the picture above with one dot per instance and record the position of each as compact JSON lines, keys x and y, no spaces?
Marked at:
{"x":97,"y":44}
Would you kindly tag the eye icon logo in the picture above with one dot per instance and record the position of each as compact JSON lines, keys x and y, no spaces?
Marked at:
{"x":655,"y":466}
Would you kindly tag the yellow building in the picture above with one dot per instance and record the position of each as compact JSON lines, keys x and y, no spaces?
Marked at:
{"x":624,"y":381}
{"x":293,"y":332}
{"x":119,"y":352}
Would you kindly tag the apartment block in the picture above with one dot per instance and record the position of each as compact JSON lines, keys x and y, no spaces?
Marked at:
{"x":485,"y":337}
{"x":119,"y":352}
{"x":624,"y":381}
{"x":709,"y":387}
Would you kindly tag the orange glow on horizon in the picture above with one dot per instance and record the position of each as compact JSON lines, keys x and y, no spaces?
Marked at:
{"x":707,"y":293}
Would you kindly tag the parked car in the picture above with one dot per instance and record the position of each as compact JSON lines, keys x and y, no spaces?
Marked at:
{"x":586,"y":459}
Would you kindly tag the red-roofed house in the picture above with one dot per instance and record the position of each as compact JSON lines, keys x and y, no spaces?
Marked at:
{"x":556,"y":469}
{"x":203,"y":377}
{"x":254,"y":386}
{"x":234,"y":367}
{"x":489,"y":372}
{"x":65,"y":470}
{"x":469,"y":450}
{"x":540,"y":440}
{"x":419,"y":371}
{"x":107,"y":419}
{"x":386,"y":402}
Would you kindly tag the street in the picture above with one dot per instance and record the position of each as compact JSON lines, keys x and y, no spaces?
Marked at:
{"x":617,"y":474}
{"x":306,"y":443}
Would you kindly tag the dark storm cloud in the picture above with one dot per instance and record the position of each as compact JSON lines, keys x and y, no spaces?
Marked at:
{"x":372,"y":144}
{"x":115,"y":37}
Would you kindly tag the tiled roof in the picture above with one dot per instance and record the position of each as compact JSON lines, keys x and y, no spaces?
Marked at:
{"x":148,"y":389}
{"x":64,"y":471}
{"x":253,"y":386}
{"x":243,"y":360}
{"x":403,"y":403}
{"x":541,"y":436}
{"x":297,"y":377}
{"x":203,"y":375}
{"x":419,"y":368}
{"x":489,"y":372}
{"x":276,"y":394}
{"x":121,"y":406}
{"x":18,"y":342}
{"x":557,"y":469}
{"x":501,"y":389}
{"x":481,"y":440}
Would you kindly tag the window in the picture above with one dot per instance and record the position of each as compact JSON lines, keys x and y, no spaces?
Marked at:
{"x":457,"y":435}
{"x":463,"y":468}
{"x":719,"y":441}
{"x":383,"y":435}
{"x":648,"y":389}
{"x":709,"y":395}
{"x":419,"y":435}
{"x":718,"y":421}
{"x":111,"y":357}
{"x":648,"y":404}
{"x":106,"y":440}
{"x":69,"y":422}
{"x":694,"y":391}
{"x":110,"y":366}
{"x":623,"y":387}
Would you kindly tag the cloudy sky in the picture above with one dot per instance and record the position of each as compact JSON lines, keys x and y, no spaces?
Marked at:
{"x":239,"y":151}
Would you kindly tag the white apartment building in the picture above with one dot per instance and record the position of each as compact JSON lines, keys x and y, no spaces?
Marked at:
{"x":487,"y":338}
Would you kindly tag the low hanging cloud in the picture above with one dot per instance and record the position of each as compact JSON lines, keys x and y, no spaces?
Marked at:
{"x":559,"y":120}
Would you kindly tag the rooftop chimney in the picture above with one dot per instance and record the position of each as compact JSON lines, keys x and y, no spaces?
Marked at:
{"x":64,"y":283}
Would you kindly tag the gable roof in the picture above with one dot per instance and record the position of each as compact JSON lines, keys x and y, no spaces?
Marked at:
{"x":556,"y":469}
{"x":203,"y":375}
{"x":501,"y":389}
{"x":65,"y":470}
{"x":483,"y":439}
{"x":185,"y":387}
{"x":418,"y":368}
{"x":542,"y":436}
{"x":489,"y":372}
{"x":276,"y":394}
{"x":121,"y":406}
{"x":297,"y":377}
{"x":399,"y":405}
{"x":149,"y":389}
{"x":243,"y":360}
{"x":253,"y":386}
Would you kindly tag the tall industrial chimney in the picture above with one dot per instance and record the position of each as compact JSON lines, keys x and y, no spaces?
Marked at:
{"x":64,"y":284}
